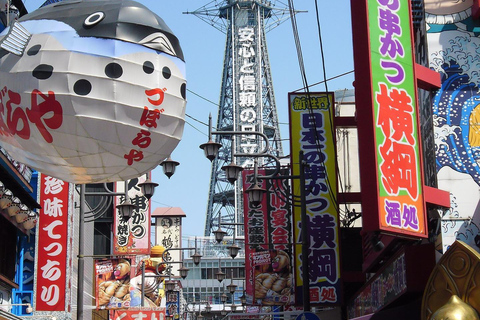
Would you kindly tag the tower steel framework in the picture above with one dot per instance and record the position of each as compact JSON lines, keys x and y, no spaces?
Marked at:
{"x":247,"y":101}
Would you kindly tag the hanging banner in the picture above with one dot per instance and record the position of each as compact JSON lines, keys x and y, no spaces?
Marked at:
{"x":268,"y":238}
{"x":56,"y":198}
{"x":168,"y":235}
{"x":311,"y":130}
{"x":132,"y":236}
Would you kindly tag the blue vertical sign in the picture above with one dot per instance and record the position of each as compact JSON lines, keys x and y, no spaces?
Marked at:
{"x":172,"y":303}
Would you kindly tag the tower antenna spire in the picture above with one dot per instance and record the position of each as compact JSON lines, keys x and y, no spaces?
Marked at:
{"x":247,"y":101}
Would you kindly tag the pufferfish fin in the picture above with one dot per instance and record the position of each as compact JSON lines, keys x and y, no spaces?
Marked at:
{"x":16,"y":40}
{"x":158,"y":41}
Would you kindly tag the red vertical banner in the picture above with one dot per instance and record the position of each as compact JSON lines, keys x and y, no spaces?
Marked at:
{"x":268,"y":238}
{"x":255,"y":221}
{"x":52,"y":231}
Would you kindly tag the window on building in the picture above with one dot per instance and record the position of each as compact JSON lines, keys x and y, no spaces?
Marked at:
{"x":103,"y":223}
{"x":8,"y":248}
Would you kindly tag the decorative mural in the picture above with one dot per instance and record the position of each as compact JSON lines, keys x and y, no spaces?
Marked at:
{"x":453,"y":44}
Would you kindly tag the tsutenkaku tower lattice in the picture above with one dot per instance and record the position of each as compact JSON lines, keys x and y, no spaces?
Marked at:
{"x":247,"y":101}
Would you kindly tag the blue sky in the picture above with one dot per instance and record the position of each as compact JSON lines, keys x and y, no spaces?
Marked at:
{"x":203,"y":47}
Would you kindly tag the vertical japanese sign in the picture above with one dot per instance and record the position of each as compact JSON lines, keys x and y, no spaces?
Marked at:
{"x":247,"y":89}
{"x":168,"y":235}
{"x":173,"y":304}
{"x":55,"y":198}
{"x":268,"y":238}
{"x":399,"y":178}
{"x":133,"y":236}
{"x":311,"y":130}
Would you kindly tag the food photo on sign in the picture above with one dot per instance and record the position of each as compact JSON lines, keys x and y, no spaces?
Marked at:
{"x":91,"y":91}
{"x":119,"y":282}
{"x":273,"y":277}
{"x":113,"y":284}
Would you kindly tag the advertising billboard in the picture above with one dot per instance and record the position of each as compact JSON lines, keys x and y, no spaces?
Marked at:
{"x":118,"y":283}
{"x":453,"y":53}
{"x":144,"y":314}
{"x":268,"y":238}
{"x":113,"y":284}
{"x":387,"y":118}
{"x":312,"y":132}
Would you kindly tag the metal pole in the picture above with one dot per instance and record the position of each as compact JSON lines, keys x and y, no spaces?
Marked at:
{"x":80,"y":267}
{"x":81,"y":235}
{"x":143,"y":285}
{"x":305,"y":237}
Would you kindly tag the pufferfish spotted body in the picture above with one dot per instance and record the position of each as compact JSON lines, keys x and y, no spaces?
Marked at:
{"x":91,"y":91}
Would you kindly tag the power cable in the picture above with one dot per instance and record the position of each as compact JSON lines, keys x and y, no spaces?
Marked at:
{"x":331,"y":116}
{"x":210,"y":101}
{"x":320,"y":82}
{"x":305,"y":84}
{"x":191,"y":125}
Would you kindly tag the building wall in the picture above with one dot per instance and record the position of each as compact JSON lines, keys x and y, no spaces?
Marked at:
{"x":197,"y":288}
{"x":200,"y":285}
{"x":347,"y":158}
{"x":16,"y":266}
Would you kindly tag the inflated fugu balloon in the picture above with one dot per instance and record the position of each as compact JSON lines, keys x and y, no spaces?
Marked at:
{"x":91,"y":91}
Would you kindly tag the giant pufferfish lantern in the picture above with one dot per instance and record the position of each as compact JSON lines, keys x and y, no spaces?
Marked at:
{"x":91,"y":91}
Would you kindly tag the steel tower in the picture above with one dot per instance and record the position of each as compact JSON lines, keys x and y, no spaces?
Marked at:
{"x":247,"y":101}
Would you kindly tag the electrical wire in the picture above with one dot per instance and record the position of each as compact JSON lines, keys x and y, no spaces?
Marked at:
{"x":195,"y":119}
{"x":331,"y":116}
{"x":320,"y":82}
{"x":195,"y":128}
{"x":203,"y":98}
{"x":305,"y":84}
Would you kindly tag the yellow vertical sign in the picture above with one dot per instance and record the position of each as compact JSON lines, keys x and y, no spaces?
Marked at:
{"x":312,"y":131}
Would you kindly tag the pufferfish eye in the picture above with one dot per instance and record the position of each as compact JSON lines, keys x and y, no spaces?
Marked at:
{"x":93,"y":19}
